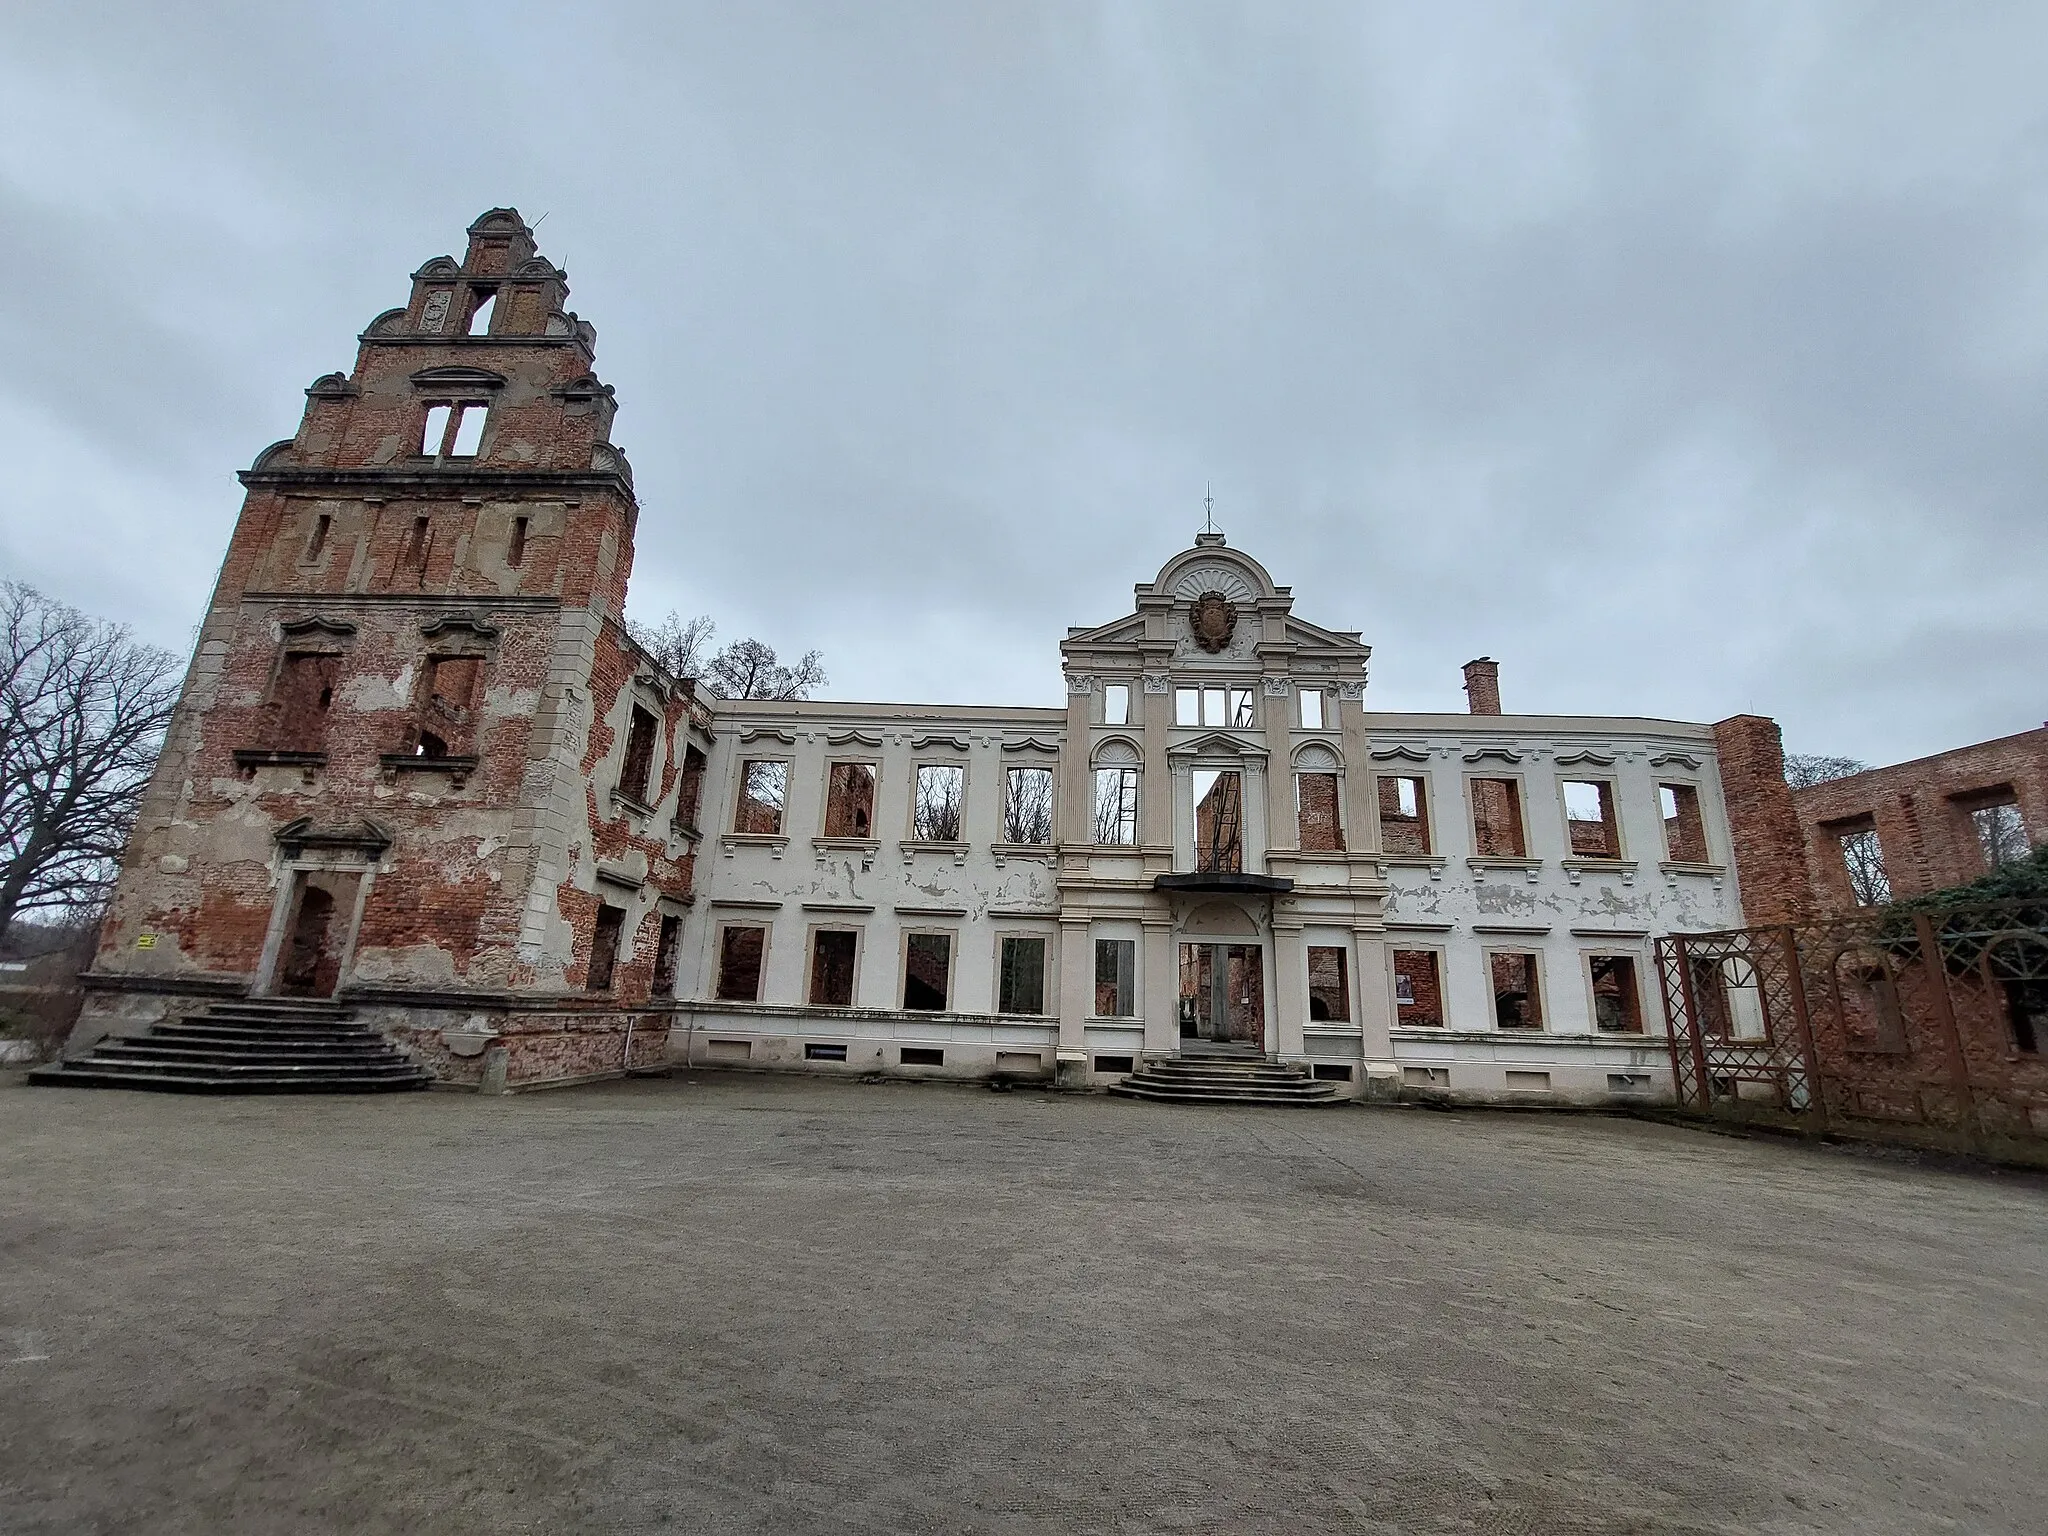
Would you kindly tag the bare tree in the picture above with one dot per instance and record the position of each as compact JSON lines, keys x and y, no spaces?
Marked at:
{"x":1804,"y":769}
{"x":677,"y":643}
{"x":83,"y":710}
{"x":747,"y":669}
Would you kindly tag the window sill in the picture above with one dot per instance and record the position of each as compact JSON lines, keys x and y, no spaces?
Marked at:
{"x":1433,"y":862}
{"x":1577,"y":868}
{"x":685,"y":831}
{"x":910,"y":847}
{"x":774,"y":842}
{"x":1003,"y":851}
{"x":623,"y":801}
{"x":1479,"y":864}
{"x":848,"y":844}
{"x":458,"y":769}
{"x":1671,"y":869}
{"x":249,"y":759}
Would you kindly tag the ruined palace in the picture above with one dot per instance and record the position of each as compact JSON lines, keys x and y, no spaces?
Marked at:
{"x":424,"y":784}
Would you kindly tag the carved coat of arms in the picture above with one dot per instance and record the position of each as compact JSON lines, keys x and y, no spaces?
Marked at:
{"x":1212,"y":621}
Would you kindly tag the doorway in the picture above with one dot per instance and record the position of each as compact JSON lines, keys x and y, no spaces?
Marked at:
{"x":315,"y":940}
{"x":1223,"y":994}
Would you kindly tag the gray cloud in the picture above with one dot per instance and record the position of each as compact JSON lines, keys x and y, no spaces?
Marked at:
{"x":1688,"y":360}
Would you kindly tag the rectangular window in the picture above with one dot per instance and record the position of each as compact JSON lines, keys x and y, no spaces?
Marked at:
{"x":1321,"y":829}
{"x":1517,"y":997}
{"x":1863,"y":858}
{"x":1020,"y":985}
{"x":447,"y":719}
{"x":850,"y":800}
{"x":303,"y":700}
{"x":742,"y":947}
{"x":941,"y":793}
{"x":604,"y":947}
{"x":1589,"y":818}
{"x":1617,"y":1002}
{"x":927,"y":971}
{"x":1404,"y":815}
{"x":318,"y":541}
{"x":1497,"y":819}
{"x":639,"y":764}
{"x":1311,"y":709}
{"x":1218,"y":707}
{"x":1116,"y":806}
{"x":1219,"y":820}
{"x":1329,"y":984}
{"x":833,"y":953}
{"x":1187,"y":706}
{"x":1242,"y":716}
{"x":2001,"y":834}
{"x":1027,"y":805}
{"x":480,"y":317}
{"x":434,"y":436}
{"x":1116,"y":964}
{"x":1116,"y":704}
{"x":690,"y":793}
{"x":763,"y":788}
{"x":515,"y":547}
{"x":469,"y":431}
{"x":666,"y":950}
{"x":1418,"y":989}
{"x":1685,"y":833}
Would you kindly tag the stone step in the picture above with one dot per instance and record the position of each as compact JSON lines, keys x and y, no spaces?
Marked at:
{"x":87,"y":1075}
{"x":1321,"y":1094}
{"x":172,"y":1051}
{"x":267,"y":1012}
{"x":235,"y":1034}
{"x":294,"y":1066}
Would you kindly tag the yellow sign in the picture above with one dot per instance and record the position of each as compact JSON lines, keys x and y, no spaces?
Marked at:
{"x":145,"y":941}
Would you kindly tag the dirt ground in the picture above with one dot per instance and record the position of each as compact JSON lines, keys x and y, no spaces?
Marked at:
{"x":755,"y":1305}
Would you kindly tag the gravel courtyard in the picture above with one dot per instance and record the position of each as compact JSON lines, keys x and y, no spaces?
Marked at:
{"x":756,"y":1305}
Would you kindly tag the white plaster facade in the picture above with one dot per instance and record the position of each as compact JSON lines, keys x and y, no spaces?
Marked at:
{"x":1250,"y":657}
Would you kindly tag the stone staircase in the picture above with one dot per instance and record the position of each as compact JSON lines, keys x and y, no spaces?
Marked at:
{"x":252,"y":1045}
{"x":1220,"y":1075}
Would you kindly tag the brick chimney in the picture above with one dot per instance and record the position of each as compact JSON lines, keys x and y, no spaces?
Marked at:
{"x":1482,"y":685}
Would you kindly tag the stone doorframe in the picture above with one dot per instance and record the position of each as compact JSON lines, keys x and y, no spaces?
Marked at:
{"x":304,"y":849}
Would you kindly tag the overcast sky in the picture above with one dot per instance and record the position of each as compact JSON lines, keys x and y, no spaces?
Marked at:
{"x":1687,"y":359}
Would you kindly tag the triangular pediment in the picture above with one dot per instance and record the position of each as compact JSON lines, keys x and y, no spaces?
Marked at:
{"x":1217,"y":744}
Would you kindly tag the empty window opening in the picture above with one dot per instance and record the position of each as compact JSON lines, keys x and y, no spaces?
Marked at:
{"x":927,"y":971}
{"x":1027,"y":805}
{"x":1863,"y":861}
{"x":480,"y":317}
{"x":1020,"y":1063}
{"x":1242,"y":715}
{"x":1116,"y":806}
{"x":1116,"y":1064}
{"x":1321,"y":829}
{"x":850,"y":800}
{"x":1330,"y":1072}
{"x":763,"y":787}
{"x":2026,"y":1006}
{"x":690,"y":794}
{"x":604,"y":946}
{"x":833,"y":952}
{"x":1116,"y":704}
{"x":1497,"y":819}
{"x":317,"y":541}
{"x":1517,"y":998}
{"x":434,"y":436}
{"x":2001,"y":834}
{"x":1329,"y":984}
{"x":417,"y":543}
{"x":1219,"y":820}
{"x":1527,"y":1082}
{"x":1311,"y":709}
{"x":666,"y":948}
{"x":515,"y":547}
{"x":1116,"y":964}
{"x":1589,"y":817}
{"x":1866,"y":997}
{"x":469,"y":431}
{"x":1685,"y":834}
{"x":1020,"y":983}
{"x":921,"y":1056}
{"x":1425,"y":1077}
{"x":741,"y":949}
{"x":936,"y":809}
{"x":1418,"y":989}
{"x":303,"y":700}
{"x":1628,"y":1082}
{"x":818,"y":1050}
{"x":447,"y":713}
{"x":638,"y":767}
{"x":1617,"y":1000}
{"x":1404,"y":815}
{"x":728,"y":1050}
{"x":1216,"y":707}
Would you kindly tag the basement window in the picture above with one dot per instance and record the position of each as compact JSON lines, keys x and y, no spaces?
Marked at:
{"x":817,"y":1050}
{"x":1863,"y":862}
{"x":1589,"y":819}
{"x":850,"y":800}
{"x":1685,"y":834}
{"x":921,"y":1056}
{"x":1517,"y":992}
{"x":1418,"y":989}
{"x":604,"y":946}
{"x":1329,"y":984}
{"x":1330,"y":1072}
{"x":1404,"y":815}
{"x":1115,"y":1064}
{"x":1617,"y":999}
{"x":1497,"y":819}
{"x":1020,"y":981}
{"x":741,"y":949}
{"x":927,"y":971}
{"x":1027,"y":805}
{"x":480,"y":316}
{"x":833,"y":952}
{"x":302,"y":700}
{"x":639,"y":764}
{"x":935,"y":812}
{"x":763,"y":787}
{"x":1116,"y":964}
